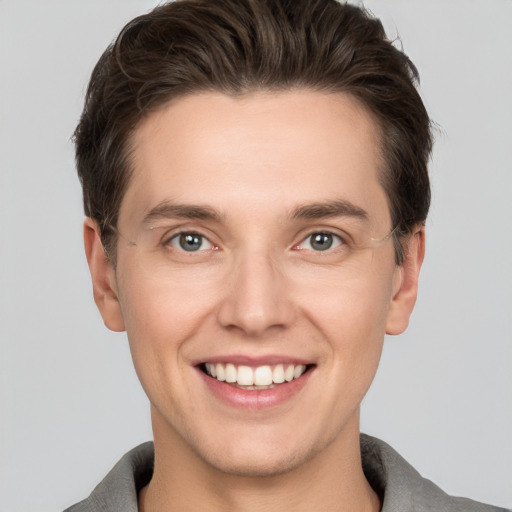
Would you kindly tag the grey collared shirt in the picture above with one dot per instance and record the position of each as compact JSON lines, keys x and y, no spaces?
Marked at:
{"x":400,"y":487}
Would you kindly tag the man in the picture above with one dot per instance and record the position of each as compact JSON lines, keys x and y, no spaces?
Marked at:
{"x":255,"y":184}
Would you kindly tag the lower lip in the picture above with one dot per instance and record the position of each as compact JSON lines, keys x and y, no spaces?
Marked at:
{"x":255,"y":399}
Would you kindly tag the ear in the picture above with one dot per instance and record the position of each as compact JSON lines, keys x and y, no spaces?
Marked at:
{"x":406,"y":289}
{"x":103,"y":277}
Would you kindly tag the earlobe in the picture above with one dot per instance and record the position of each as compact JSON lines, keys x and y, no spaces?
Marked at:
{"x":103,"y":277}
{"x":404,"y":297}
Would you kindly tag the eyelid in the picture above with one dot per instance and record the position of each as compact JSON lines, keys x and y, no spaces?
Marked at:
{"x":181,"y":229}
{"x":341,"y":239}
{"x":170,"y":232}
{"x":345,"y":238}
{"x":178,"y":235}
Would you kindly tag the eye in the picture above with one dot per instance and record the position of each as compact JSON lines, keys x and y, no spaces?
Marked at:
{"x":321,"y":241}
{"x":190,"y":242}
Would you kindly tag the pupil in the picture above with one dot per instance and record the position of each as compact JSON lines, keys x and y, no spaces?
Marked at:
{"x":321,"y":241}
{"x":190,"y":242}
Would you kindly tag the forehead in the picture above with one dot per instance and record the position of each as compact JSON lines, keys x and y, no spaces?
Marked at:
{"x":262,"y":153}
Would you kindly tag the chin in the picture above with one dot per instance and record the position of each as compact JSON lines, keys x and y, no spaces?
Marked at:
{"x":257,"y":465}
{"x":261,"y":457}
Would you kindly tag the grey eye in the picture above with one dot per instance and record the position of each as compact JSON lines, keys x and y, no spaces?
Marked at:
{"x":190,"y":242}
{"x":320,"y":242}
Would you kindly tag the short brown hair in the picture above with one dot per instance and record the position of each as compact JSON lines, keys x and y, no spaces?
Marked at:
{"x":239,"y":46}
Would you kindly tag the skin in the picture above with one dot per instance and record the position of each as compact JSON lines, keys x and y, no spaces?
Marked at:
{"x":257,"y":290}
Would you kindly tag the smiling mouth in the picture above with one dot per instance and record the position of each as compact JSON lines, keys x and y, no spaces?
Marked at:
{"x":258,"y":378}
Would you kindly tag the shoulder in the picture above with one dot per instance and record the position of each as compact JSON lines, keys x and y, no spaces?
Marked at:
{"x":403,"y":489}
{"x":119,"y":489}
{"x":400,"y":486}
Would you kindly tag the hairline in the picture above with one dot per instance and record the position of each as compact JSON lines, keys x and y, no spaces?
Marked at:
{"x":128,"y":149}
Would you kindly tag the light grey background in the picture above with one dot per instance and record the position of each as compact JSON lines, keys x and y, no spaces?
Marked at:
{"x":70,"y":402}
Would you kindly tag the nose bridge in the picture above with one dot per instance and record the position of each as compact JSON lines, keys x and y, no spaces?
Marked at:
{"x":255,"y":298}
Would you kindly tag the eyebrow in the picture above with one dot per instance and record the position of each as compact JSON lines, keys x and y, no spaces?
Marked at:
{"x":338,"y":208}
{"x":169,"y":210}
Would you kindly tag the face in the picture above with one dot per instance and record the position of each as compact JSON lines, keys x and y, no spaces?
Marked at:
{"x":254,"y":277}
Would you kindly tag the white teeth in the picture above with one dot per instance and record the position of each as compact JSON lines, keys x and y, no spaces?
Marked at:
{"x":288,"y":373}
{"x":221,"y":374}
{"x":262,"y":377}
{"x":230,"y":373}
{"x":245,"y":376}
{"x":210,"y":369}
{"x":278,"y":374}
{"x":299,"y":370}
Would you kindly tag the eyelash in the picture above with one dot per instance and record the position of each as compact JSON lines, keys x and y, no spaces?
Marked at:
{"x":335,"y":239}
{"x":177,"y":236}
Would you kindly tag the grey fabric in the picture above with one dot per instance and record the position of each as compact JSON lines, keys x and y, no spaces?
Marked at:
{"x":118,"y":491}
{"x":403,"y":489}
{"x":400,"y":487}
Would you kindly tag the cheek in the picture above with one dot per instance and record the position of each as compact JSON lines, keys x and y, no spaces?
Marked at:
{"x":351,"y":317}
{"x":355,"y":328}
{"x":340,"y":302}
{"x":159,"y":303}
{"x":160,"y":316}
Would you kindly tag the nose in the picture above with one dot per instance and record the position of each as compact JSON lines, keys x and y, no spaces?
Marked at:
{"x":256,"y":298}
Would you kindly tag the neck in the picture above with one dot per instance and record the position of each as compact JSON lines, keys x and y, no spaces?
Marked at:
{"x":332,"y":480}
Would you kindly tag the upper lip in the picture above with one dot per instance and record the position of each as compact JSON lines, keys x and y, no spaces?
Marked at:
{"x":253,"y":361}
